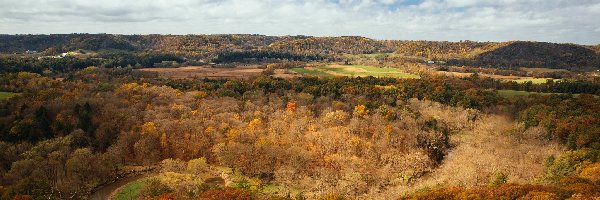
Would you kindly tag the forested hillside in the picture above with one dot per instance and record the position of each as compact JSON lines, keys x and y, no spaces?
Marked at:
{"x":57,"y":43}
{"x":540,"y":54}
{"x":503,"y":55}
{"x":442,"y":50}
{"x":332,"y":45}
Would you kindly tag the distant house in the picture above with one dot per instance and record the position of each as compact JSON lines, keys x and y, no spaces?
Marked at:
{"x":430,"y":62}
{"x":30,"y":52}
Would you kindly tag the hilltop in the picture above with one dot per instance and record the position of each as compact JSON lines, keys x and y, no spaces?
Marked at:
{"x":541,"y":54}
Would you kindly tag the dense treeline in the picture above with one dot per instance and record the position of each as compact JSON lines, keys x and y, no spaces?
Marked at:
{"x":142,"y":60}
{"x":542,"y":73}
{"x":560,"y":116}
{"x":70,"y":64}
{"x":561,"y":86}
{"x":254,"y":56}
{"x":57,"y":43}
{"x":29,"y":64}
{"x":551,"y":86}
{"x":454,"y":92}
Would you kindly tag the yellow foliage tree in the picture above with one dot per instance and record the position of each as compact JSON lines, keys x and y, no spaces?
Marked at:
{"x":200,"y":94}
{"x":361,"y":110}
{"x":148,"y":128}
{"x":254,"y":123}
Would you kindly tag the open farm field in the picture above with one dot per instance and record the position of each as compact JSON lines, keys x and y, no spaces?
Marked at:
{"x":519,"y":93}
{"x":207,"y":72}
{"x":517,"y":79}
{"x":354,"y":71}
{"x":542,"y":70}
{"x":533,"y":80}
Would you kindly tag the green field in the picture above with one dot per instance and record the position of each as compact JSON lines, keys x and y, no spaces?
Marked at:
{"x":308,"y":72}
{"x":353,"y":70}
{"x":518,"y":93}
{"x":512,"y":93}
{"x":542,"y":70}
{"x":130,"y":191}
{"x":534,"y":80}
{"x":7,"y":95}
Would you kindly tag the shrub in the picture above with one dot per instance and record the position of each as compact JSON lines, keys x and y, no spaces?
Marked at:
{"x":22,"y":197}
{"x":535,"y":195}
{"x":591,"y":172}
{"x":361,"y":111}
{"x":172,"y":165}
{"x":577,"y":185}
{"x":166,"y":196}
{"x":197,"y":166}
{"x":569,"y":161}
{"x":438,"y":194}
{"x":226,"y":193}
{"x":504,"y":191}
{"x":154,"y":188}
{"x":498,"y":179}
{"x":333,"y":197}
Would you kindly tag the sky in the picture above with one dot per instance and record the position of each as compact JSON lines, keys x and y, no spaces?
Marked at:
{"x":562,"y":21}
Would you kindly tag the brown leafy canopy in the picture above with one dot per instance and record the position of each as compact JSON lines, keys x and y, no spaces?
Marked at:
{"x":257,"y":131}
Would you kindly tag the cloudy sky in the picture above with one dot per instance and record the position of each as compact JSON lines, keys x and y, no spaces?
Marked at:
{"x":573,"y":21}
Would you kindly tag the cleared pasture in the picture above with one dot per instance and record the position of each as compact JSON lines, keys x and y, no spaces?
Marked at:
{"x":353,"y":70}
{"x":534,"y":80}
{"x":244,"y":72}
{"x":509,"y":93}
{"x":517,"y":79}
{"x":542,"y":70}
{"x":310,"y":72}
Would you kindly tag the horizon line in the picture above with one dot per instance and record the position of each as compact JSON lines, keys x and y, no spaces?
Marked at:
{"x":299,"y":35}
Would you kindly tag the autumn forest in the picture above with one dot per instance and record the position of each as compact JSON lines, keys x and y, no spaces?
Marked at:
{"x":101,"y":116}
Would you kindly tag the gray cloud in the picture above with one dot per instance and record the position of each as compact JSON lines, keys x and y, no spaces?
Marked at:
{"x":483,"y":20}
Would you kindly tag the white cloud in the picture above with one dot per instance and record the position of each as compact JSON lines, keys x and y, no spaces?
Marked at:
{"x":484,"y":20}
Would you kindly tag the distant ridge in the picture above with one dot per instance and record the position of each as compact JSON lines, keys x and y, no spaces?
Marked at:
{"x":480,"y":54}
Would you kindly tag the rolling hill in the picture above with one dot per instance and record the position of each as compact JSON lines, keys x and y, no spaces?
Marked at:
{"x":477,"y":54}
{"x":540,"y":54}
